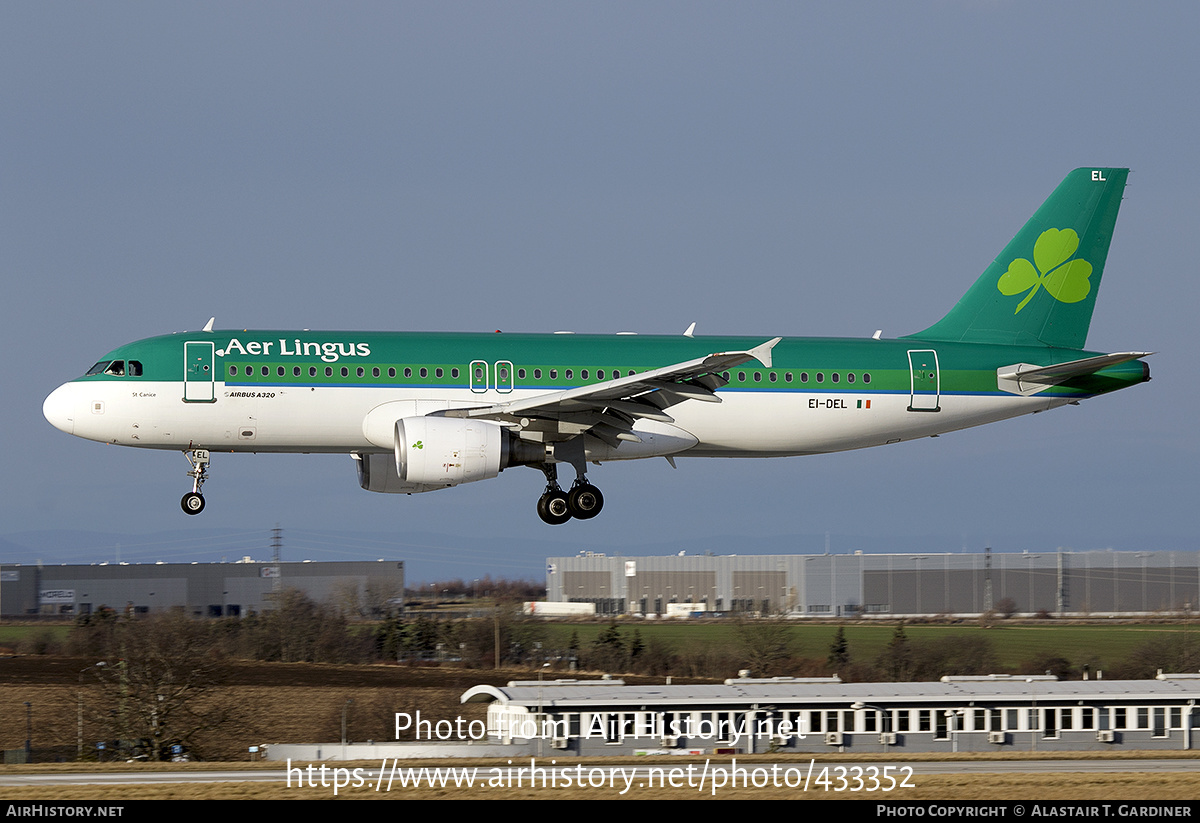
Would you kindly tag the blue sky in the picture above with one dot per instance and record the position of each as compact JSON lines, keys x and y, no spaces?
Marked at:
{"x":760,"y":168}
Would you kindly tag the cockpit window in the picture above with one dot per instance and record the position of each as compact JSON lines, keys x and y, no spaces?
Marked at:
{"x":116,"y":368}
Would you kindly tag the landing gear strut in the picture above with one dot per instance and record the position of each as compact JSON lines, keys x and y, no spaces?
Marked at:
{"x":193,"y":501}
{"x":556,"y":507}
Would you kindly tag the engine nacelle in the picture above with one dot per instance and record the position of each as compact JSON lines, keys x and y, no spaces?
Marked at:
{"x":437,"y":452}
{"x":434,"y":453}
{"x":377,"y":473}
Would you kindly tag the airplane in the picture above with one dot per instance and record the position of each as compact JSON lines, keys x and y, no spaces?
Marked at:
{"x":420,"y":412}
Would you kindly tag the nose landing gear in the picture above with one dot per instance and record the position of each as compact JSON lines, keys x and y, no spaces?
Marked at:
{"x":193,"y":501}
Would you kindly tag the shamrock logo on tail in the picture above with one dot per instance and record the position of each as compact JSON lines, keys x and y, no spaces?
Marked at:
{"x":1066,"y":280}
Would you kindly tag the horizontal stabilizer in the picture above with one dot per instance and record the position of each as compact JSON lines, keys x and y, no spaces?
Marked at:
{"x":1026,"y":379}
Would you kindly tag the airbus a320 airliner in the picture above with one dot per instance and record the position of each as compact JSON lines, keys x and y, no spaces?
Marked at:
{"x":420,"y":412}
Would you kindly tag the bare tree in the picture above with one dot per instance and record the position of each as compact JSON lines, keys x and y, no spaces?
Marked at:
{"x":766,"y":645}
{"x":159,"y":684}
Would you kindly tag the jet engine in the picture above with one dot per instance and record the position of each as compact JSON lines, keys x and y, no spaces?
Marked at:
{"x":446,"y":451}
{"x":438,"y":452}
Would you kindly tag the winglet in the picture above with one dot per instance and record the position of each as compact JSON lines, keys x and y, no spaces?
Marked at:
{"x":690,"y":330}
{"x":763,"y":353}
{"x":208,"y":326}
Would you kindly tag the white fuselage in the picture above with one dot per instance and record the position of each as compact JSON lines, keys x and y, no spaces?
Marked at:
{"x":304,"y":419}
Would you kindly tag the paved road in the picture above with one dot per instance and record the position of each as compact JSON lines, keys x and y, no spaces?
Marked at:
{"x":919,"y":768}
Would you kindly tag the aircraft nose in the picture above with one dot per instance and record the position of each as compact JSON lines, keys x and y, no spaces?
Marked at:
{"x":59,"y":408}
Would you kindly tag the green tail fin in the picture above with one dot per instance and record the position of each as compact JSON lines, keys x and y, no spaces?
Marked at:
{"x":1042,"y":288}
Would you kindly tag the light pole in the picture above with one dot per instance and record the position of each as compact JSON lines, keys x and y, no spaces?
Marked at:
{"x":1033,"y":719}
{"x":345,"y":706}
{"x":953,"y":717}
{"x":884,"y":713}
{"x":541,"y":733}
{"x":79,"y":709}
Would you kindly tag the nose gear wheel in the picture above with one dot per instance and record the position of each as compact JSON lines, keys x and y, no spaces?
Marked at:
{"x":193,"y":501}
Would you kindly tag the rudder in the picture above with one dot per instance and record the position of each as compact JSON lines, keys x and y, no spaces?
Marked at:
{"x":1042,"y":288}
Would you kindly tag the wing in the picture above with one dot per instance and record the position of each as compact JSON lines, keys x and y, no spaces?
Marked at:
{"x":610,"y":409}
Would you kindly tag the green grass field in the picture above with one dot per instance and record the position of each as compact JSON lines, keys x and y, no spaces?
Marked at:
{"x":1014,"y":643}
{"x":14,"y":634}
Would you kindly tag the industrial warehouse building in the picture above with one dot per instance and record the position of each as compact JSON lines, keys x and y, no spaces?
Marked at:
{"x":1093,"y":583}
{"x":200,"y":589}
{"x":814,"y":715}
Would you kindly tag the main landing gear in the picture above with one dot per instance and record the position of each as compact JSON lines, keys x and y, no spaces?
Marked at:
{"x":583,"y":502}
{"x":193,"y":501}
